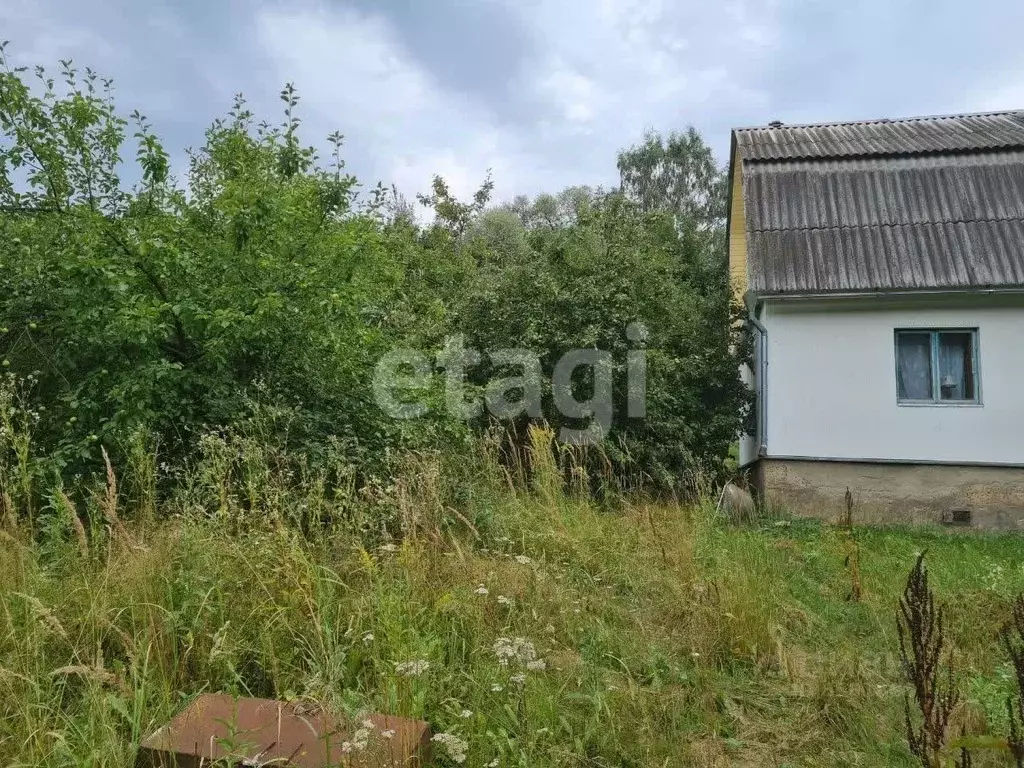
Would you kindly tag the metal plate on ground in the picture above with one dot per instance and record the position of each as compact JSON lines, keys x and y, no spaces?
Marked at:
{"x":256,"y":732}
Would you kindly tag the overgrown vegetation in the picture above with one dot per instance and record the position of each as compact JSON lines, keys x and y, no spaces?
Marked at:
{"x":263,"y":283}
{"x":644,"y":634}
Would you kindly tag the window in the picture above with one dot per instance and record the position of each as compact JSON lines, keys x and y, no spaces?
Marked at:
{"x":937,"y":366}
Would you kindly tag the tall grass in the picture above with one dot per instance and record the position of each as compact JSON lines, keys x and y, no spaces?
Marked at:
{"x":496,"y":600}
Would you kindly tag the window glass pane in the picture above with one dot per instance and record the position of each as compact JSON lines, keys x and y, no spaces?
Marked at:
{"x":914,"y":366}
{"x":956,"y":366}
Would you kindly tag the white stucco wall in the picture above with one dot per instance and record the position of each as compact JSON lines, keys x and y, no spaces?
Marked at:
{"x":831,"y":383}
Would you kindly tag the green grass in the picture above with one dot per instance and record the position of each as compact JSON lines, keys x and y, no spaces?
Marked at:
{"x":668,"y":637}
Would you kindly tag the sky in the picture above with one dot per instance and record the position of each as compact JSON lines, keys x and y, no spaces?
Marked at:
{"x":543,"y":93}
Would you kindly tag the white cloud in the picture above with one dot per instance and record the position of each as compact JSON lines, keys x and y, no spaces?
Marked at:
{"x":623,"y":66}
{"x":353,"y":74}
{"x":40,"y":36}
{"x":597,"y":76}
{"x":604,"y":74}
{"x":574,"y":82}
{"x":575,"y":95}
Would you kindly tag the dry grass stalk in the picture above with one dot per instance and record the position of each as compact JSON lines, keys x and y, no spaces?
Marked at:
{"x":95,"y":674}
{"x":108,"y":502}
{"x":7,"y":516}
{"x":920,"y":629}
{"x":76,"y":523}
{"x":852,"y":561}
{"x":45,"y":615}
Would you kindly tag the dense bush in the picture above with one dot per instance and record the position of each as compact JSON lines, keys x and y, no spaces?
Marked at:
{"x":262,"y":286}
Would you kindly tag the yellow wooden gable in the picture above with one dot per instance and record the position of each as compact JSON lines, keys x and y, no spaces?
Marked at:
{"x":737,"y":230}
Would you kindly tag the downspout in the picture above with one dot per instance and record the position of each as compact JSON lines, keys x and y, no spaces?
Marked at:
{"x":761,"y":382}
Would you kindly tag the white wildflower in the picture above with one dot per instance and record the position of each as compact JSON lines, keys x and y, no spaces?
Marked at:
{"x":519,"y":679}
{"x":523,"y":560}
{"x":493,"y":764}
{"x":388,"y":734}
{"x":518,"y":649}
{"x":502,"y":600}
{"x":481,"y":590}
{"x":368,"y":638}
{"x":537,"y":665}
{"x":453,"y":745}
{"x":388,"y":547}
{"x":412,"y":668}
{"x":369,"y":724}
{"x":360,"y":740}
{"x":497,"y":688}
{"x":466,"y":714}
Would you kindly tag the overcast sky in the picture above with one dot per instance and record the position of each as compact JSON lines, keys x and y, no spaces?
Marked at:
{"x":543,"y":92}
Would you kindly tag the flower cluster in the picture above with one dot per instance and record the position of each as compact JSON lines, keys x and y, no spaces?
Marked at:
{"x":517,"y":649}
{"x":518,"y":652}
{"x":412,"y":668}
{"x":453,"y":745}
{"x":360,"y":739}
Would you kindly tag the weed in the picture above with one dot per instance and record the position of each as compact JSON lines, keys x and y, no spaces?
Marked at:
{"x":852,"y":561}
{"x":1012,"y":638}
{"x":922,"y":642}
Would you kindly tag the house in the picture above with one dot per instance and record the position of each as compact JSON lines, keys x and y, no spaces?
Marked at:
{"x":882,"y":267}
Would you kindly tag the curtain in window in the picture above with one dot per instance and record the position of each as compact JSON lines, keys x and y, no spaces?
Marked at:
{"x":914,"y":366}
{"x":955,"y":366}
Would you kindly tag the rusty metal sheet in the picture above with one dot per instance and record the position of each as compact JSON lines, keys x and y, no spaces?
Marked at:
{"x":256,"y":732}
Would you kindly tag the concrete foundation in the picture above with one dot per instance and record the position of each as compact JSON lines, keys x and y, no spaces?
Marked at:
{"x":981,"y":497}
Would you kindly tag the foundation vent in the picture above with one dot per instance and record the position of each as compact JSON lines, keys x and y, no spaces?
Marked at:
{"x":956,"y":517}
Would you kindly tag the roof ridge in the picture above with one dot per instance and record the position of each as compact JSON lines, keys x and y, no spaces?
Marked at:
{"x":885,"y":120}
{"x":1009,"y":148}
{"x":881,"y":224}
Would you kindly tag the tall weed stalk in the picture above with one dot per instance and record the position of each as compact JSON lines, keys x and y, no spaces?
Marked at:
{"x":927,"y":666}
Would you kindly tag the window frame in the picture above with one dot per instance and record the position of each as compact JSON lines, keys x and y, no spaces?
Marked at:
{"x":936,"y":388}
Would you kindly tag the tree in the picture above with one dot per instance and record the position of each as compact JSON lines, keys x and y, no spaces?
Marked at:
{"x":597,"y":264}
{"x":262,"y":281}
{"x":676,"y":174}
{"x":171,"y":309}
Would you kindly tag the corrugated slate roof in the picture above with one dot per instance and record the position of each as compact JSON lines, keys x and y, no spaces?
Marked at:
{"x":916,"y":135}
{"x":927,"y":203}
{"x":852,"y":193}
{"x":947,"y":255}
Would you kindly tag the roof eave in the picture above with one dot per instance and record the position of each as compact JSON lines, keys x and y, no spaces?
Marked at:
{"x":756,"y":298}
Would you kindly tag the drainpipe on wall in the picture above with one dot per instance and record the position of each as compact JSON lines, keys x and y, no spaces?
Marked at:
{"x":761,"y":385}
